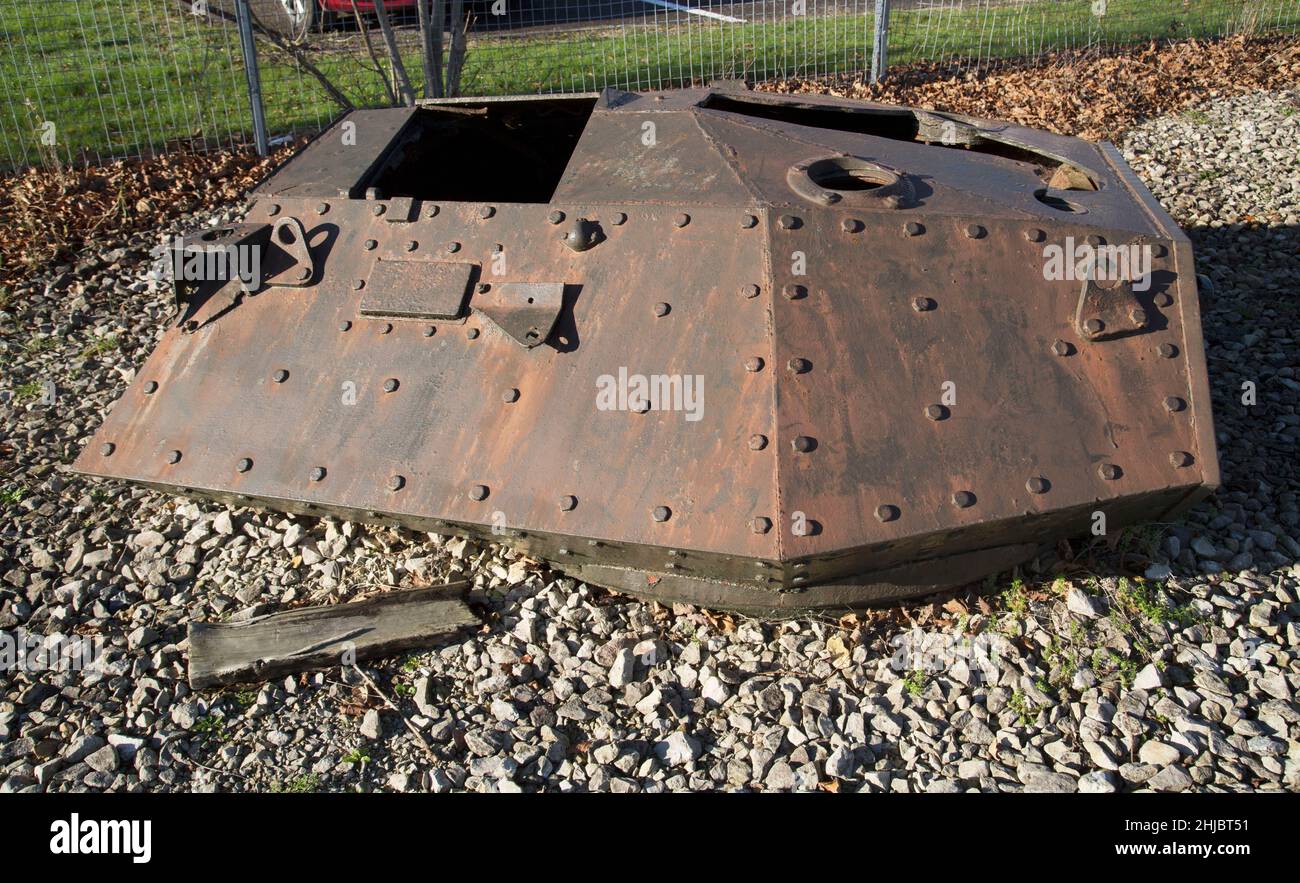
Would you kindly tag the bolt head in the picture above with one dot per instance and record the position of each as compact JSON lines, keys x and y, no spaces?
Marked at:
{"x":173,"y":456}
{"x":681,"y":220}
{"x":1061,"y":348}
{"x":280,"y":376}
{"x":750,"y":290}
{"x":618,"y":219}
{"x":757,"y":442}
{"x":1164,"y":299}
{"x":244,"y":464}
{"x":753,"y":364}
{"x":345,"y":325}
{"x":304,"y":273}
{"x":662,"y":309}
{"x":555,"y":217}
{"x":749,"y":222}
{"x":412,"y":245}
{"x":391,"y":384}
{"x":377,"y":210}
{"x":850,"y":225}
{"x":107,"y":449}
{"x":151,"y":387}
{"x":396,"y":482}
{"x":1138,"y":316}
{"x":317,"y":473}
{"x":794,"y":292}
{"x":1167,"y":350}
{"x":887,"y":512}
{"x":453,"y":247}
{"x":963,"y":499}
{"x":568,"y":502}
{"x":936,"y":412}
{"x":430,"y":330}
{"x":661,"y":513}
{"x":510,"y":395}
{"x":1180,"y":458}
{"x":913,"y":228}
{"x":1094,"y":326}
{"x":370,"y":245}
{"x":803,"y":444}
{"x":358,"y":284}
{"x":974,"y":231}
{"x":486,"y":212}
{"x":761,"y":524}
{"x":472,"y":333}
{"x":1108,"y":471}
{"x":1174,"y":404}
{"x":1035,"y":235}
{"x":800,"y":366}
{"x":321,"y":208}
{"x":1037,"y":485}
{"x":923,"y":304}
{"x":788,"y":222}
{"x":478,"y":492}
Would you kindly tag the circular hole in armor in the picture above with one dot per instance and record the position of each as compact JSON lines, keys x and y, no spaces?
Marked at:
{"x":847,"y":174}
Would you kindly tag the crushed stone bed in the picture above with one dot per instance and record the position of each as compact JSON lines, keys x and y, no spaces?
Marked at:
{"x":1083,"y":681}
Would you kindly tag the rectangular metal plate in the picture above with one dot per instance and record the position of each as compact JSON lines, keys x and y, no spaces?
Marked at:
{"x":417,"y":289}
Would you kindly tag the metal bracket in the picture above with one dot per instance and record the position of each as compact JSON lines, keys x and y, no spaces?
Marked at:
{"x":217,"y":255}
{"x":1106,"y":309}
{"x":288,"y":234}
{"x":527,"y":311}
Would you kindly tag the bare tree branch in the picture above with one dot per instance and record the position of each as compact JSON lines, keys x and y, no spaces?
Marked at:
{"x":456,"y":58}
{"x":395,"y":56}
{"x":370,"y":48}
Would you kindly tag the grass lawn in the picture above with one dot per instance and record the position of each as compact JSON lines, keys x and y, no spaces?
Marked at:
{"x":117,"y":77}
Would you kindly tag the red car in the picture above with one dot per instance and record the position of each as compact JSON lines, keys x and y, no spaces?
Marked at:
{"x":303,"y":15}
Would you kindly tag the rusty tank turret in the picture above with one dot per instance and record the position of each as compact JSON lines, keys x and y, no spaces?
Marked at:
{"x":756,"y":352}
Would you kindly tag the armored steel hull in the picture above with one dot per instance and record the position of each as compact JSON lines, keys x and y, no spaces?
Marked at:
{"x":757,"y":352}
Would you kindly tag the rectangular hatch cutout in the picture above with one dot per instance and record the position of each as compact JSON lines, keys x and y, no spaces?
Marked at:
{"x":417,"y":289}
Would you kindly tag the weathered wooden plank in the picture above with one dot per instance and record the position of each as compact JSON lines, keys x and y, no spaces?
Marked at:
{"x":318,"y":637}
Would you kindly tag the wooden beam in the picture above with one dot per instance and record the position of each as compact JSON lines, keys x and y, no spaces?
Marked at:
{"x":321,"y":637}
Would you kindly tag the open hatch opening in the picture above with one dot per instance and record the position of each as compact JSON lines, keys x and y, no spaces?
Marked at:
{"x":497,"y":151}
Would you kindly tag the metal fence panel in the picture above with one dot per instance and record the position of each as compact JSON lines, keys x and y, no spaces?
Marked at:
{"x":83,"y":80}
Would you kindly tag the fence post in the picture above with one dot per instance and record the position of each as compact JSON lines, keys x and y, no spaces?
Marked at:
{"x":245,"y":23}
{"x":880,"y":42}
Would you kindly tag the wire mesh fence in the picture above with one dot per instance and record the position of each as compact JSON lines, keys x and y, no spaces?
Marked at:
{"x":83,"y":80}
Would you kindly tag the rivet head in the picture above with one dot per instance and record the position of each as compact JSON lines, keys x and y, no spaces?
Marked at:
{"x":478,"y":492}
{"x":244,"y":464}
{"x":345,"y":325}
{"x":761,"y":524}
{"x":749,"y":222}
{"x":386,"y":328}
{"x":681,"y":220}
{"x":396,"y":482}
{"x":1108,"y":471}
{"x":151,"y":387}
{"x":974,"y":231}
{"x":1174,"y":404}
{"x":430,"y":330}
{"x":412,"y":245}
{"x":963,"y":499}
{"x":753,"y":364}
{"x":788,"y":222}
{"x":280,"y":376}
{"x":471,"y":333}
{"x":1138,"y":316}
{"x":913,"y":228}
{"x":391,"y":384}
{"x":510,"y":395}
{"x":107,"y":449}
{"x":370,"y":245}
{"x":662,"y":309}
{"x":936,"y":412}
{"x":850,"y":225}
{"x":483,"y":287}
{"x":1158,"y":251}
{"x":1094,"y":326}
{"x":757,"y":442}
{"x":923,"y":304}
{"x":803,"y":444}
{"x":321,"y":208}
{"x":750,"y":290}
{"x":555,"y":217}
{"x":887,"y":512}
{"x":317,"y":473}
{"x":568,"y":502}
{"x":358,"y":284}
{"x":1061,"y":348}
{"x":661,"y":513}
{"x":378,"y":210}
{"x":432,"y":211}
{"x":1037,"y":485}
{"x":1164,"y":299}
{"x":618,"y":219}
{"x":304,"y":273}
{"x":1167,"y":350}
{"x":800,"y":366}
{"x":273,"y":208}
{"x":794,"y":292}
{"x":173,"y":456}
{"x":1033,"y":234}
{"x":1180,"y":458}
{"x":453,"y":247}
{"x":486,"y":212}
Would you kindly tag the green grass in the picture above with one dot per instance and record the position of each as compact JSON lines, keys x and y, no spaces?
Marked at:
{"x":119,"y":78}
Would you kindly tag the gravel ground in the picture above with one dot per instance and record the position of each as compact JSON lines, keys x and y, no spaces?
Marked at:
{"x":1088,"y":681}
